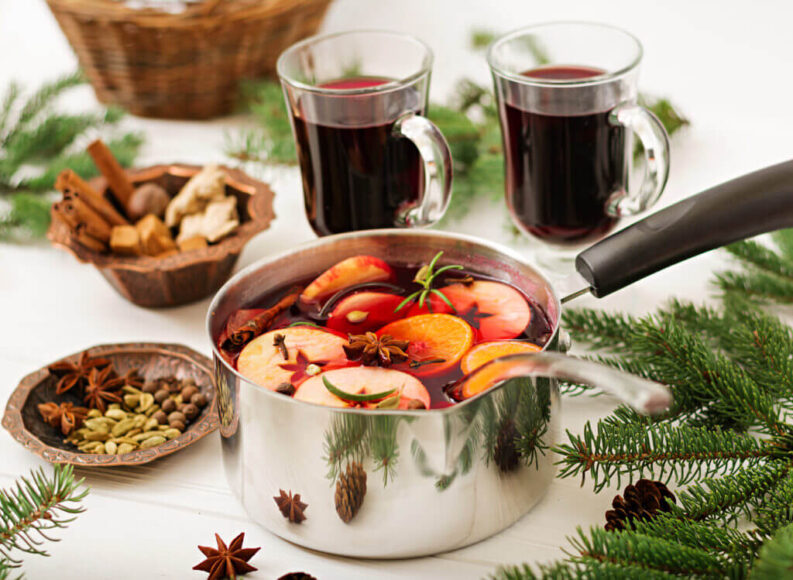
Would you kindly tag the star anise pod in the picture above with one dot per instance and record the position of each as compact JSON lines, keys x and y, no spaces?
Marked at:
{"x":102,"y":388}
{"x":291,"y":506}
{"x":65,"y":416}
{"x":72,"y":374}
{"x":297,"y":576}
{"x":374,"y":351}
{"x":302,"y":368}
{"x":226,"y":561}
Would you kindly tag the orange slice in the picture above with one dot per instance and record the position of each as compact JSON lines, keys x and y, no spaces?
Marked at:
{"x":432,"y":336}
{"x":486,"y":351}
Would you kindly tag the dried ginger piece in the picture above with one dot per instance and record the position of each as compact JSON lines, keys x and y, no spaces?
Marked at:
{"x":217,"y":221}
{"x":206,"y":186}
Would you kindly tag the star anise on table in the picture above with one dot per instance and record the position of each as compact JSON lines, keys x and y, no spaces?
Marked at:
{"x":65,"y":416}
{"x":297,"y":576}
{"x":73,"y":374}
{"x":374,"y":351}
{"x":302,"y":367}
{"x":102,"y":388}
{"x":226,"y":561}
{"x":291,"y":506}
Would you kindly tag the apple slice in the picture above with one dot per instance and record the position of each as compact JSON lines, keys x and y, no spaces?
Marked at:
{"x":363,"y":381}
{"x":496,"y":311}
{"x":355,"y":270}
{"x":363,"y":311}
{"x":262,"y":360}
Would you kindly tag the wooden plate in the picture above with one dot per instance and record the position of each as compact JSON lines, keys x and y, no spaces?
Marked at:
{"x":23,"y":421}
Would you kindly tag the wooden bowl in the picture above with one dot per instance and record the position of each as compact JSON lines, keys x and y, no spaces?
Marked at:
{"x":187,"y":276}
{"x":23,"y":421}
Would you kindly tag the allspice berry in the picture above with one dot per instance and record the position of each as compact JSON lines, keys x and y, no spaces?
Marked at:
{"x":160,"y":396}
{"x":177,"y":425}
{"x":151,"y":387}
{"x":190,"y":411}
{"x":161,"y":416}
{"x":149,"y":198}
{"x":199,"y":400}
{"x":188,"y":392}
{"x":168,"y":405}
{"x":176,"y":416}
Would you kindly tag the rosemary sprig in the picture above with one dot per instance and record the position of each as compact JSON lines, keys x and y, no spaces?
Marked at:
{"x":425,"y":278}
{"x":354,"y":397}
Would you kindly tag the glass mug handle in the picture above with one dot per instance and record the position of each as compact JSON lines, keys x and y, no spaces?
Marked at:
{"x":655,"y":143}
{"x":437,"y":163}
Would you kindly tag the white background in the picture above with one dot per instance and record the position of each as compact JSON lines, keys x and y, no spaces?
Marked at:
{"x":726,"y":64}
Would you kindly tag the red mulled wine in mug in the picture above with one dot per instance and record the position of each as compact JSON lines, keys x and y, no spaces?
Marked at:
{"x":368,"y":157}
{"x":356,"y":175}
{"x":566,"y":95}
{"x":562,"y":169}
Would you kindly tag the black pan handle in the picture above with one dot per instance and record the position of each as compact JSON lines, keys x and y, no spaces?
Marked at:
{"x":747,"y":206}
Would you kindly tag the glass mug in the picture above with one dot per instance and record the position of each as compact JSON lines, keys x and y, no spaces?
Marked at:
{"x":566,"y":95}
{"x":368,"y":157}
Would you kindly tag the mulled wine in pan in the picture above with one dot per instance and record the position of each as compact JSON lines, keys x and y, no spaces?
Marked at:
{"x":367,"y":333}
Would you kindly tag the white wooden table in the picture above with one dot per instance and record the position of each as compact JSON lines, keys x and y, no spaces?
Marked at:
{"x":728,"y":69}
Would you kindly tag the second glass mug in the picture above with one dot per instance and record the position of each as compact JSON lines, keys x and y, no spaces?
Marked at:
{"x":368,"y":157}
{"x":566,"y":95}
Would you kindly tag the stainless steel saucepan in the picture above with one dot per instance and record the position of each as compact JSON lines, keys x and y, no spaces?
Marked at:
{"x":442,"y":479}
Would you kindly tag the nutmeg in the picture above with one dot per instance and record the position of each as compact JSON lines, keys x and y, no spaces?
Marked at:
{"x":177,"y":416}
{"x":188,"y":392}
{"x":199,"y":400}
{"x":190,"y":411}
{"x":149,"y":198}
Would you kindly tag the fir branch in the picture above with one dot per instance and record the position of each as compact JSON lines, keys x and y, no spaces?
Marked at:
{"x":784,"y":241}
{"x":762,"y":287}
{"x":602,"y":330}
{"x":346,"y":440}
{"x":590,"y":569}
{"x":776,"y":557}
{"x":651,"y":553}
{"x":666,"y":451}
{"x":761,"y":257}
{"x":35,"y":506}
{"x":725,"y":499}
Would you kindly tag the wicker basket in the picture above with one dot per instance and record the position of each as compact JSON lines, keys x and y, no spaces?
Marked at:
{"x":185,"y":65}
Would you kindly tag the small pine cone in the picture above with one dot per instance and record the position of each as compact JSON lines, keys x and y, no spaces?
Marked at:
{"x":297,"y":576}
{"x":505,"y":454}
{"x":641,"y":501}
{"x":350,"y":491}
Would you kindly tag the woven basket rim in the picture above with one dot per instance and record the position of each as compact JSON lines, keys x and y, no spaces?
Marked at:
{"x":207,"y":13}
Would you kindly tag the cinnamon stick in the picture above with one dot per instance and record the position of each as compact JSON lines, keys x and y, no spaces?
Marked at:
{"x":59,"y":212}
{"x":107,"y":164}
{"x":69,"y":183}
{"x":86,"y":239}
{"x":77,"y":212}
{"x":261,"y":322}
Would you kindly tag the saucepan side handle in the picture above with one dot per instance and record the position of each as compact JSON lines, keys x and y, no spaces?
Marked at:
{"x":645,"y":396}
{"x":747,"y":206}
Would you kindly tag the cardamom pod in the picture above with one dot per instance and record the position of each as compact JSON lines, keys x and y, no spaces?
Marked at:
{"x":125,"y":448}
{"x":152,"y":442}
{"x":131,"y":401}
{"x":140,"y":420}
{"x":130,"y":390}
{"x":127,"y":440}
{"x":116,"y":414}
{"x":122,"y":427}
{"x":112,"y":406}
{"x":94,"y":413}
{"x":151,"y":410}
{"x":146,"y":401}
{"x":171,"y":433}
{"x":97,"y":425}
{"x":151,"y":425}
{"x":110,"y":448}
{"x":97,"y":436}
{"x":145,"y":435}
{"x":133,"y":432}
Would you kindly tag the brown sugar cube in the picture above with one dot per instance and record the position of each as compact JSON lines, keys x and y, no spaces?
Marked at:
{"x":155,"y":237}
{"x":125,"y":241}
{"x":194,"y":243}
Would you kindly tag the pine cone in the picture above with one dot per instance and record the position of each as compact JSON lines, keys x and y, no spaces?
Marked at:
{"x":350,"y":491}
{"x":640,"y":502}
{"x":505,"y":454}
{"x":297,"y":576}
